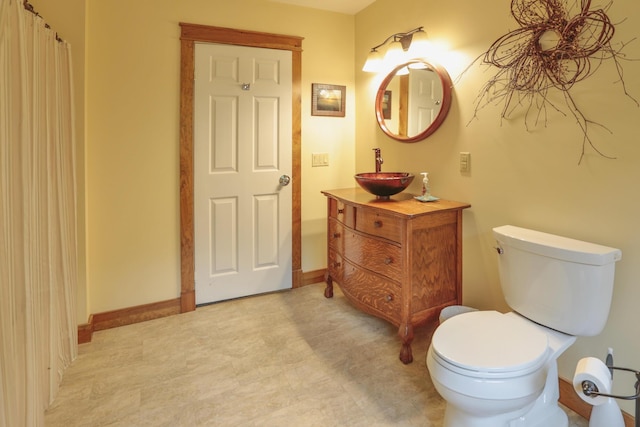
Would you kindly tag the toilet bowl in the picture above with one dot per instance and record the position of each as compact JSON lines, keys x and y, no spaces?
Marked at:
{"x":494,"y":370}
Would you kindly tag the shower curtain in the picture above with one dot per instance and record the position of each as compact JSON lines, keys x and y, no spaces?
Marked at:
{"x":38,"y":261}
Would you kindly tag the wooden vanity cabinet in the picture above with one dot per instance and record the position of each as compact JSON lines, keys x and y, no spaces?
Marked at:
{"x":398,"y":259}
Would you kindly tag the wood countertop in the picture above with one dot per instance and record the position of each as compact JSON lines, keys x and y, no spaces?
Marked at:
{"x":403,"y":204}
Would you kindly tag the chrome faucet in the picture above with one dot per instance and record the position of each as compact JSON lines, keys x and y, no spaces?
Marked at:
{"x":379,"y":160}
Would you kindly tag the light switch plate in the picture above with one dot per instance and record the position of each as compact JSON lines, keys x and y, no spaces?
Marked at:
{"x":465,"y":161}
{"x":319,"y":159}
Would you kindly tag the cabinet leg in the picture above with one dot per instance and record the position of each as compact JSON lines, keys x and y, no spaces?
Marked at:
{"x":328,"y":291}
{"x":406,"y":334}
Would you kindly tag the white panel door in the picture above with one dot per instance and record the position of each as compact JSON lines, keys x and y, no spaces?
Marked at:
{"x":242,"y":148}
{"x":425,"y":99}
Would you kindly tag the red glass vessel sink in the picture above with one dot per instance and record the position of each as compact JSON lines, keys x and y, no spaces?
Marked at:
{"x":384,"y":184}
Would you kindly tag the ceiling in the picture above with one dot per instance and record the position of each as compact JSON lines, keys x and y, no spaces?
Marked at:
{"x":349,"y":7}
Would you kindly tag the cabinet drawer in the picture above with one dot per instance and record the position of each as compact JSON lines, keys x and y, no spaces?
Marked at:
{"x":373,"y":291}
{"x":374,"y":254}
{"x":342,"y":212}
{"x":379,"y":224}
{"x":335,"y":235}
{"x":335,"y":266}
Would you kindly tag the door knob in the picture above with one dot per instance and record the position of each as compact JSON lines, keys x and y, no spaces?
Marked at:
{"x":285,"y":180}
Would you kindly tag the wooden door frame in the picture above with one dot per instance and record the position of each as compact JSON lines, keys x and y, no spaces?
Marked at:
{"x":190,"y":34}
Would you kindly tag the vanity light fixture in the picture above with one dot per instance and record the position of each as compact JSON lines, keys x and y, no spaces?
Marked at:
{"x":410,"y":45}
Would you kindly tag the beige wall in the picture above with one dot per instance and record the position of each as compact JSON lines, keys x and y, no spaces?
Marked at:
{"x":132,"y":134}
{"x":530,"y":179}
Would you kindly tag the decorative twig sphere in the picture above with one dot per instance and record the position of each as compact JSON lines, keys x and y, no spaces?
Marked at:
{"x":559,"y":43}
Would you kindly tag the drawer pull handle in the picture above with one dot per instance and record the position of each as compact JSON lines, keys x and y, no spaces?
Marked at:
{"x":388,"y":260}
{"x":377,"y":224}
{"x":336,"y":235}
{"x":389,"y":298}
{"x":340,"y":211}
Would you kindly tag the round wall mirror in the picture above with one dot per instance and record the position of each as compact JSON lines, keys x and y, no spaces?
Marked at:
{"x":413,"y":100}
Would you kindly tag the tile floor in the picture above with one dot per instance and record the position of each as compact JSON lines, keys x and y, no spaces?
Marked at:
{"x":291,"y":358}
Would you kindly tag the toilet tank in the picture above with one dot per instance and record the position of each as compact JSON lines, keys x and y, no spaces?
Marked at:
{"x":561,"y":283}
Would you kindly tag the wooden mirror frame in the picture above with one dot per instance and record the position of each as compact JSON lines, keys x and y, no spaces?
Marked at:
{"x":447,"y":86}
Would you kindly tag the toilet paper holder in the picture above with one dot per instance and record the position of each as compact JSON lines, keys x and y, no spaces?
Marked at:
{"x":590,"y":389}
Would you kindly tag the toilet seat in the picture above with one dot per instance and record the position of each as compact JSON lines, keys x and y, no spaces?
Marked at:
{"x":489,"y":344}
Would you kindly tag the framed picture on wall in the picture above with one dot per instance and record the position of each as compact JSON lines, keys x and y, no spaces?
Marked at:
{"x":327,"y":100}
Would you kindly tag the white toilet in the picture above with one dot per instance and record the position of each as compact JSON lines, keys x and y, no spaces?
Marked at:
{"x":500,"y":370}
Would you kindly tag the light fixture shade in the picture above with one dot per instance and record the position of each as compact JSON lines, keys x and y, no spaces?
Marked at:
{"x":394,"y":56}
{"x":419,"y":45}
{"x":373,"y":64}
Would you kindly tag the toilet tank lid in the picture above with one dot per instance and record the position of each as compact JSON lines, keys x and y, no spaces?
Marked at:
{"x":562,"y":248}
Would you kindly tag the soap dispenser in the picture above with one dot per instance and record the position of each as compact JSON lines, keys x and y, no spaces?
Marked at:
{"x":426,"y":191}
